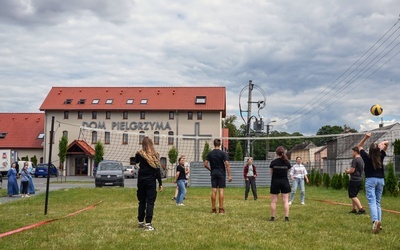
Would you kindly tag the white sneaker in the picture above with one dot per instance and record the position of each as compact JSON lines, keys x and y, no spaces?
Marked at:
{"x":181,"y":204}
{"x":141,"y":224}
{"x":290,"y":203}
{"x":27,"y":195}
{"x":302,"y":203}
{"x":376,"y":226}
{"x":148,"y":227}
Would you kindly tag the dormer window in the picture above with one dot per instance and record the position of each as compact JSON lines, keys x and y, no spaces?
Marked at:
{"x":95,"y":101}
{"x":81,"y":101}
{"x":200,"y":100}
{"x":40,"y":136}
{"x":68,"y":101}
{"x":109,"y":101}
{"x":129,"y":101}
{"x":3,"y":135}
{"x":143,"y":101}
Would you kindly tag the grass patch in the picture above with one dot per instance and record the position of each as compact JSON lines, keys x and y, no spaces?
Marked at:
{"x":113,"y":224}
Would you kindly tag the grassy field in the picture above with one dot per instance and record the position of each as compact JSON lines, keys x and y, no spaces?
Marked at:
{"x":112,"y":223}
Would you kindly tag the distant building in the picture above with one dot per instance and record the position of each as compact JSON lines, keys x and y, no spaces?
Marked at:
{"x":22,"y":133}
{"x":159,"y":111}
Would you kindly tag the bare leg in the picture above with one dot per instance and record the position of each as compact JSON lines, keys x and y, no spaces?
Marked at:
{"x":221,"y":198}
{"x":285,"y":199}
{"x":356,"y":203}
{"x":176,"y":191}
{"x":274,"y":200}
{"x":213,"y":197}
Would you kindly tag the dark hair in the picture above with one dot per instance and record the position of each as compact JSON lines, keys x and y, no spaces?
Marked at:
{"x":375,"y":155}
{"x":147,"y":146}
{"x":217,"y":142}
{"x":280,"y":151}
{"x":355,"y":149}
{"x":298,"y":158}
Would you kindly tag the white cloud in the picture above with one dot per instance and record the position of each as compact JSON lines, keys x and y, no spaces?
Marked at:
{"x":295,"y":51}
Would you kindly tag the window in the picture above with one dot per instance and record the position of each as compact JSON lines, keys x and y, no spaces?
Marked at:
{"x":141,"y":136}
{"x":40,"y":136}
{"x":143,"y":101}
{"x":190,"y":115}
{"x":94,"y":137}
{"x":68,"y":101}
{"x":199,"y":115}
{"x":156,"y":138}
{"x":107,"y":138}
{"x":170,"y":138}
{"x":142,"y":115}
{"x":108,"y":115}
{"x":171,"y":115}
{"x":109,"y":101}
{"x":125,"y":115}
{"x":81,"y":101}
{"x":95,"y":101}
{"x":200,"y":100}
{"x":124,"y":138}
{"x":129,"y":101}
{"x":94,"y":115}
{"x":66,"y":114}
{"x":80,"y":114}
{"x":65,"y":134}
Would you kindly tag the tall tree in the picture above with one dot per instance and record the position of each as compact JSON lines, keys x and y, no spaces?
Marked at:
{"x":238,"y":152}
{"x":331,"y":130}
{"x":62,"y":148}
{"x":206,"y":150}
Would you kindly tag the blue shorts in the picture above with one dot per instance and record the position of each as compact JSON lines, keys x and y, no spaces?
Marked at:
{"x":218,"y":181}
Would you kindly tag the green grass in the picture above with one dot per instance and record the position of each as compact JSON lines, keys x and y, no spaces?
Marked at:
{"x":112,"y":224}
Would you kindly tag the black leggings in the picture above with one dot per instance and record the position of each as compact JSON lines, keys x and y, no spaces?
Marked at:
{"x":24,"y":187}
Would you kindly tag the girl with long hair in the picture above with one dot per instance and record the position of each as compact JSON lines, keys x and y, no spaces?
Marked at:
{"x":279,"y":168}
{"x":374,"y":178}
{"x":149,"y":172}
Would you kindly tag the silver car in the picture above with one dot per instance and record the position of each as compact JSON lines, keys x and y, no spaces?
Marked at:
{"x":109,"y":173}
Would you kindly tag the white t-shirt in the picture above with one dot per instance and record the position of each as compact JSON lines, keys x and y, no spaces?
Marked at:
{"x":298,"y":171}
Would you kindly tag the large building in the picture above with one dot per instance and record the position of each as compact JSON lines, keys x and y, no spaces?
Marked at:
{"x":119,"y":117}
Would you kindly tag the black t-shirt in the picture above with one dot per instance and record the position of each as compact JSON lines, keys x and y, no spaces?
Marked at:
{"x":217,"y":159}
{"x":181,"y":170}
{"x":280,"y":168}
{"x":146,"y":172}
{"x":369,"y":169}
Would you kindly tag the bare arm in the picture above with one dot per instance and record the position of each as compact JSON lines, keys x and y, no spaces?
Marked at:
{"x":361,"y":143}
{"x":206,"y":165}
{"x":228,"y":169}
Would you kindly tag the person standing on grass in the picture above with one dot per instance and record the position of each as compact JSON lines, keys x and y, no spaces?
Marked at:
{"x":250,"y":174}
{"x":24,"y":181}
{"x":12,"y":186}
{"x":298,"y":173}
{"x":217,"y":163}
{"x":279,"y":168}
{"x":187,"y":172}
{"x":179,"y":180}
{"x":374,"y":178}
{"x":355,"y":172}
{"x":149,"y":172}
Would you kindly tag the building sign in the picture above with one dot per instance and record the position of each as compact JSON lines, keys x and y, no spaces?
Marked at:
{"x":129,"y":125}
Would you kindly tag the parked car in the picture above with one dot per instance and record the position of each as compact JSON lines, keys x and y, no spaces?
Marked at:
{"x":131,"y":171}
{"x":109,"y":173}
{"x":42,"y":170}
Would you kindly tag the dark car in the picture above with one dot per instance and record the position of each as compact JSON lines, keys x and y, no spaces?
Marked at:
{"x":109,"y":173}
{"x":42,"y":170}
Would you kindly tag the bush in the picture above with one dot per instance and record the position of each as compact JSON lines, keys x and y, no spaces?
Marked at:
{"x":318,"y":179}
{"x":391,"y":184}
{"x":312,"y":178}
{"x":345,"y":181}
{"x":326,"y":180}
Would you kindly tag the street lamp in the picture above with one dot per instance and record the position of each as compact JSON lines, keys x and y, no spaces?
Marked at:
{"x":267,"y":141}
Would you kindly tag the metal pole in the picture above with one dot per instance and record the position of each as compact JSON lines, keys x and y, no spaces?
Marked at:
{"x":49,"y":164}
{"x":248,"y":117}
{"x":267,"y":143}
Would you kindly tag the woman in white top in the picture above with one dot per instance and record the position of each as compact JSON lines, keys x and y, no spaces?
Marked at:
{"x":298,"y":173}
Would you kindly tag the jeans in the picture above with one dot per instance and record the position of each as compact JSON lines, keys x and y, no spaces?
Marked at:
{"x":181,"y":191}
{"x":296,"y":182}
{"x":374,"y":190}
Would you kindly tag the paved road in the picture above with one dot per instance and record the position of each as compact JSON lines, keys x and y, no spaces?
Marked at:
{"x":59,"y":183}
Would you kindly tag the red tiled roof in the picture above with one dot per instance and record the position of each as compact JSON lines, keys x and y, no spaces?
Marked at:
{"x":22,"y":130}
{"x":158,"y":98}
{"x":86,"y":148}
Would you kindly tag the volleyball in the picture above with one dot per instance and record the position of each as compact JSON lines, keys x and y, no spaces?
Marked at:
{"x":376,"y":109}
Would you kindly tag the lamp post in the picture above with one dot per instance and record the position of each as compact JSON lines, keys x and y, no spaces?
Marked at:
{"x":267,"y":141}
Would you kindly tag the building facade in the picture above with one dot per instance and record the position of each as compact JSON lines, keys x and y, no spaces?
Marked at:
{"x":119,"y":117}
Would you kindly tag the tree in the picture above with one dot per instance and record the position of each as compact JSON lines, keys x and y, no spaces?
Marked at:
{"x":390,"y":180}
{"x":98,"y":153}
{"x":331,"y":130}
{"x":206,"y":150}
{"x":238,"y":152}
{"x":396,"y":152}
{"x":62,"y":148}
{"x":34,"y":160}
{"x":326,"y":180}
{"x":173,"y":156}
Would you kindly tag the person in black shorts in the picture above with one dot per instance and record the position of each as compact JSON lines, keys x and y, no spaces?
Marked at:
{"x":279,"y":168}
{"x":218,"y":167}
{"x":355,"y":172}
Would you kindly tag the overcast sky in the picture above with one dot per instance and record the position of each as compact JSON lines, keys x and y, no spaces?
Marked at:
{"x":317,"y":62}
